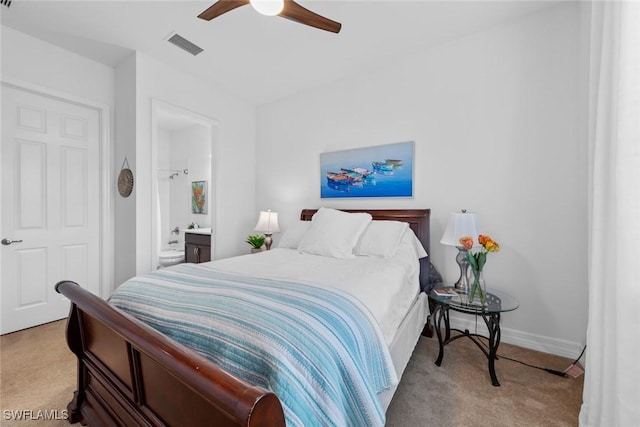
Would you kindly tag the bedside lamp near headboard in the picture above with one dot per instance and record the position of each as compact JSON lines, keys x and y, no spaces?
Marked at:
{"x":268,"y":224}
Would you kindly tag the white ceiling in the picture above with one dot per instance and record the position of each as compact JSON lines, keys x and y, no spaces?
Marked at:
{"x":259,"y":58}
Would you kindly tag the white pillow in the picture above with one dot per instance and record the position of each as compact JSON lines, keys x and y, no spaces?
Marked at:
{"x":381,"y":239}
{"x":334,"y":233}
{"x":417,"y":245}
{"x":410,"y":246}
{"x":293,"y":234}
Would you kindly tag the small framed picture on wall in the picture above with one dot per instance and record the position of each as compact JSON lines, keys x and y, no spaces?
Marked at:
{"x":199,"y":197}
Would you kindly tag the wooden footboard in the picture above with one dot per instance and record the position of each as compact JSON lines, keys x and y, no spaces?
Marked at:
{"x":129,"y":374}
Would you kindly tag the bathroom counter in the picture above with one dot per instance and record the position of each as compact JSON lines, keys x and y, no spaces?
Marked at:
{"x":198,"y":231}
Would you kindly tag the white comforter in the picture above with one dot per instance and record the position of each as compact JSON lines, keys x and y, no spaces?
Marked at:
{"x":387,"y":287}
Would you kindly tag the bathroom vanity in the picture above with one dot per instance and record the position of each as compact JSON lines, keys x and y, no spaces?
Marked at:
{"x":197,"y":245}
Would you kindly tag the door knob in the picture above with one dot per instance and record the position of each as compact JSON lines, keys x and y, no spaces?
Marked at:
{"x":7,"y":242}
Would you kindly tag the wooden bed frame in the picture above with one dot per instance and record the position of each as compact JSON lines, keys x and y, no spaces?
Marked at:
{"x":130,"y":374}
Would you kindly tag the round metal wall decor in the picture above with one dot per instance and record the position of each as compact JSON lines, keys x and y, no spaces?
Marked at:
{"x":125,"y":180}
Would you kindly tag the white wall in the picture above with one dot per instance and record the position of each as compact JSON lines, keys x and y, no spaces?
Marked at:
{"x":192,"y":150}
{"x":233,"y":213}
{"x":164,"y":188}
{"x":31,"y":60}
{"x":495,"y":120}
{"x":125,"y":148}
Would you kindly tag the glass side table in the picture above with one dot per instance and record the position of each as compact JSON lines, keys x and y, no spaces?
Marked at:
{"x":496,"y":303}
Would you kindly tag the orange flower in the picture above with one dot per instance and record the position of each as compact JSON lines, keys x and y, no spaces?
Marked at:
{"x":492,"y":246}
{"x":482,"y":239}
{"x":466,"y":242}
{"x":477,"y":261}
{"x":488,"y":244}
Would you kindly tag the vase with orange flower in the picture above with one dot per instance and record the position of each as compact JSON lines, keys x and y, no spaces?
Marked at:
{"x":477,"y":261}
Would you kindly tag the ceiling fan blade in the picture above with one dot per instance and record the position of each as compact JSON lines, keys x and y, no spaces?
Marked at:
{"x":297,"y":13}
{"x":220,"y":7}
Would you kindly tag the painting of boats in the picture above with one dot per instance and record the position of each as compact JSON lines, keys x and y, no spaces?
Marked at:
{"x":380,"y":171}
{"x":382,"y":167}
{"x":343,"y":178}
{"x":366,"y":174}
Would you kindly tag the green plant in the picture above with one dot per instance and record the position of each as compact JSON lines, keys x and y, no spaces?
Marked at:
{"x":256,"y":241}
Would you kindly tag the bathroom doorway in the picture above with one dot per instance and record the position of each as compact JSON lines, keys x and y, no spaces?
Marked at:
{"x":183,"y":171}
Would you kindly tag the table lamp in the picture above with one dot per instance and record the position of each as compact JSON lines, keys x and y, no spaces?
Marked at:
{"x":461,"y":224}
{"x":268,"y":224}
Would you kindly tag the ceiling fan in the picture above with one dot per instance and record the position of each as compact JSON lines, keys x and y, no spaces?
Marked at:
{"x":286,"y":8}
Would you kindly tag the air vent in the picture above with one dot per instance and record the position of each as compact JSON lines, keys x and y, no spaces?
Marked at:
{"x":6,"y":3}
{"x":185,"y":44}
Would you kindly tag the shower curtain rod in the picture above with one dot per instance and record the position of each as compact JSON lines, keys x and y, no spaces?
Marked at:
{"x":184,"y":171}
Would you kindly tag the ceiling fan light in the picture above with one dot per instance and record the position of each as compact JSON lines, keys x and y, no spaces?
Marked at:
{"x":268,"y":7}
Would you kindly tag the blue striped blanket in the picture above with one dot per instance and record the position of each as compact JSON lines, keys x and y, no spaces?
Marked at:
{"x":319,"y":350}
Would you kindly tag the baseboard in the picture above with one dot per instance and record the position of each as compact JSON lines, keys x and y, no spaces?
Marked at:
{"x":564,"y":348}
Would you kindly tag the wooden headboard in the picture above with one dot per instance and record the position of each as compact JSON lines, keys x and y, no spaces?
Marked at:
{"x":418,"y":220}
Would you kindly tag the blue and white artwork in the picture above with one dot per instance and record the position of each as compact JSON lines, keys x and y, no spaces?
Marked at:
{"x":382,"y":171}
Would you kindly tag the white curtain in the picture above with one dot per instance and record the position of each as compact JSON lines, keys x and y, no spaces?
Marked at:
{"x":611,"y":394}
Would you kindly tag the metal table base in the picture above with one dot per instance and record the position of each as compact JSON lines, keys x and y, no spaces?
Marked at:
{"x":492,"y":320}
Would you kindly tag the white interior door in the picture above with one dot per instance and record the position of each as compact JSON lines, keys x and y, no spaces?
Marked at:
{"x":50,"y":226}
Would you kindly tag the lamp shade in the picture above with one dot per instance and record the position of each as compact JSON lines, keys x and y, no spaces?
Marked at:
{"x":461,"y":224}
{"x":268,"y":222}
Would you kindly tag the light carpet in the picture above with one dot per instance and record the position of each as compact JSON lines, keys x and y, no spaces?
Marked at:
{"x":38,"y":373}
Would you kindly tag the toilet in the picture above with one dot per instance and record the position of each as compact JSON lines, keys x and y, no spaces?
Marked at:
{"x":170,"y":257}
